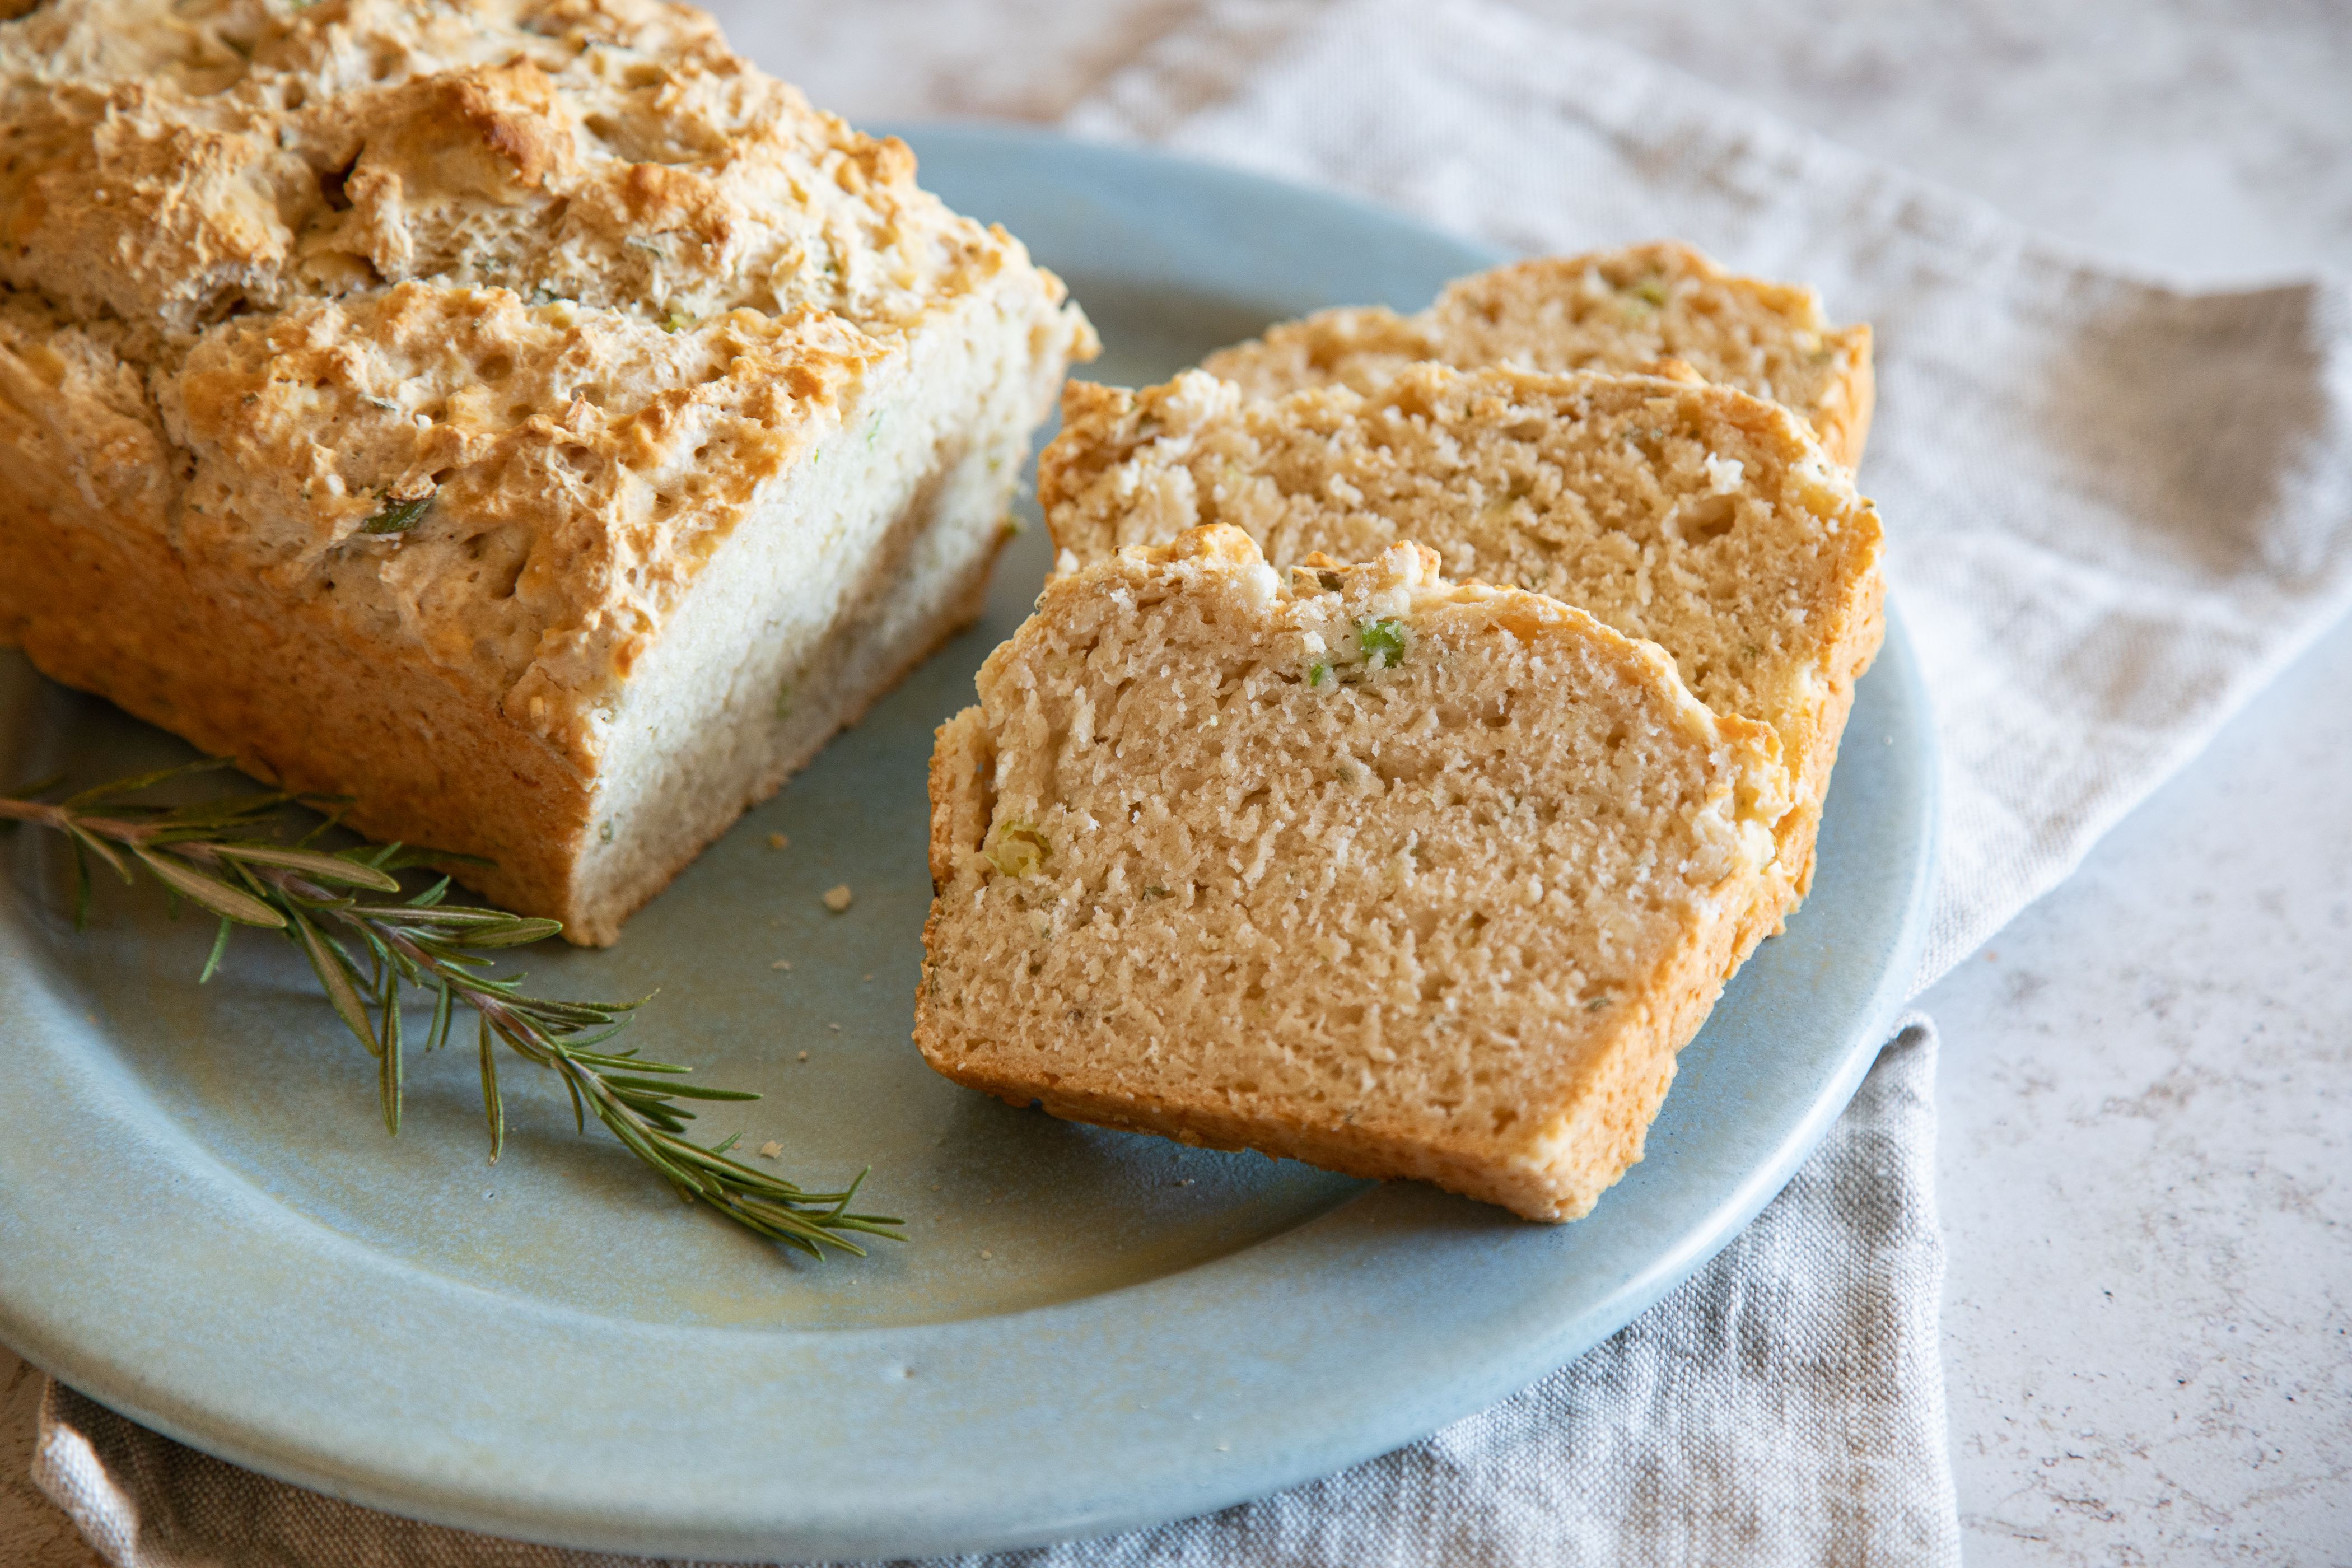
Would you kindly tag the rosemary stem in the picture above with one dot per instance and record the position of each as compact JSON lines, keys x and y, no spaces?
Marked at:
{"x":323,"y":901}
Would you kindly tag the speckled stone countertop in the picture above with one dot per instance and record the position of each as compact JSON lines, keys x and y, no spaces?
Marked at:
{"x":2147,"y":1079}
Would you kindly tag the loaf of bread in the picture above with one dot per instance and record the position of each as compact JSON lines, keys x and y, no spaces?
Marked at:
{"x":1360,"y":867}
{"x":522,"y":416}
{"x":1701,"y":518}
{"x":1644,"y":308}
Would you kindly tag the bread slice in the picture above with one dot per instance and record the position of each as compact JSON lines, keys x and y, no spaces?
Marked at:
{"x":1698,"y":517}
{"x":523,"y":415}
{"x":1639,"y":309}
{"x":1398,"y":877}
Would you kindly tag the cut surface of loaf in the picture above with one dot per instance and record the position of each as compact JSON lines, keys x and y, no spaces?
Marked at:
{"x":523,"y":415}
{"x":1634,"y":308}
{"x":1696,"y":516}
{"x":1395,"y":876}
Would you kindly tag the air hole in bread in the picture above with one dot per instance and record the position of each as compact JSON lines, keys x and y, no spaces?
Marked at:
{"x":510,"y":578}
{"x":331,"y":183}
{"x":1708,"y":519}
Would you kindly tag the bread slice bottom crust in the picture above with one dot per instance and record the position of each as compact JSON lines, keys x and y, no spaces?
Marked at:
{"x":1617,"y":1099}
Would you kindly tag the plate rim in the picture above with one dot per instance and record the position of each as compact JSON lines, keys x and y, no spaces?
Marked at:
{"x":143,"y":1398}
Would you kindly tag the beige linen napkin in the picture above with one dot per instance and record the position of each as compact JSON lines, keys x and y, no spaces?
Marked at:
{"x":2115,"y":509}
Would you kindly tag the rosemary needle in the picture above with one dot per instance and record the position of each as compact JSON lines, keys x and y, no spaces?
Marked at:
{"x":365,"y":939}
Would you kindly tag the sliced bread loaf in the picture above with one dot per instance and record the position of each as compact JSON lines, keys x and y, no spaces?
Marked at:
{"x":1630,"y":310}
{"x":1694,"y":515}
{"x":528,"y":418}
{"x":1395,"y":876}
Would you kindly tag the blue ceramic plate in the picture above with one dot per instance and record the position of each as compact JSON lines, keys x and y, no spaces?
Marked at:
{"x":202,"y":1224}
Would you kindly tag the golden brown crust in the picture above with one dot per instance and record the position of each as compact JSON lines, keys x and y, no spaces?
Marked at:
{"x":378,"y":379}
{"x":1844,"y":421}
{"x":118,"y":612}
{"x":305,"y":701}
{"x":1640,"y":308}
{"x":483,"y":271}
{"x":560,"y":534}
{"x":170,"y":162}
{"x":1846,"y":660}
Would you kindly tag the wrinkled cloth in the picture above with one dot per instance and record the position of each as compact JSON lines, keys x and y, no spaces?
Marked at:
{"x":2114,"y":509}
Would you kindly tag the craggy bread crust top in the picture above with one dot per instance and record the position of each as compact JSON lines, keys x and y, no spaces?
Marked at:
{"x":569,"y":267}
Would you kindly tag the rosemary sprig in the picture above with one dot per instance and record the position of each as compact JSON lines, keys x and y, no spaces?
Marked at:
{"x":365,"y":939}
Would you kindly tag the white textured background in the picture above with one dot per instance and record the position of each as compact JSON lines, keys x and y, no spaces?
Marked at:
{"x":2147,"y":1088}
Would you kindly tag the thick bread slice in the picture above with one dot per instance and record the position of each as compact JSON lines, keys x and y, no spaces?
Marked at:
{"x":1401,"y":877}
{"x":1698,"y":517}
{"x":1629,"y":310}
{"x":523,"y":415}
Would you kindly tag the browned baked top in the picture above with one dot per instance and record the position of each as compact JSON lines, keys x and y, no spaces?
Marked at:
{"x":570,"y":271}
